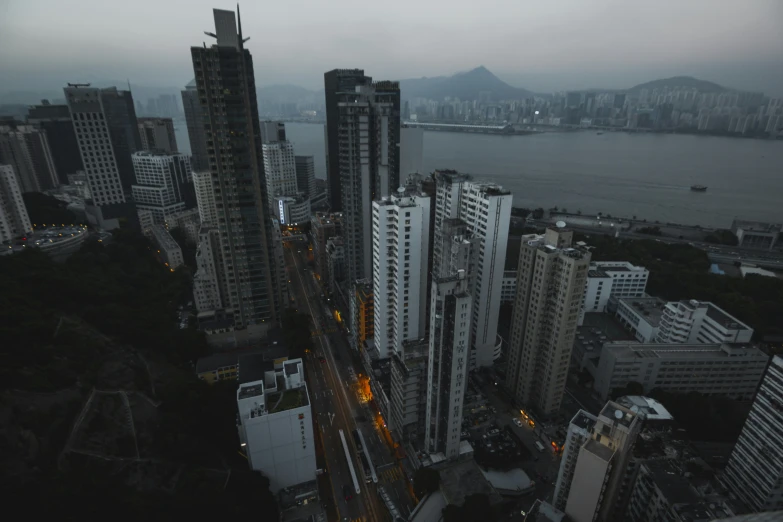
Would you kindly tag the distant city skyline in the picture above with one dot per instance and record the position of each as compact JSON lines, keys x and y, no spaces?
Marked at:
{"x":561,"y":45}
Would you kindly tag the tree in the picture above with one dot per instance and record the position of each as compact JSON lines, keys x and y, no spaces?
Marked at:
{"x":425,"y":481}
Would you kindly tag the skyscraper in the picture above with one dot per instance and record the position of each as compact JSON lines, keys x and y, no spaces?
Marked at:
{"x":400,"y":247}
{"x":99,"y":127}
{"x":755,"y":469}
{"x":486,"y":210}
{"x":164,"y":184}
{"x":26,"y":148}
{"x":157,"y":134}
{"x":336,"y":82}
{"x":366,"y":145}
{"x":194,"y":121}
{"x":205,"y":197}
{"x":56,"y":121}
{"x":123,"y":125}
{"x":227,"y":97}
{"x":551,"y":279}
{"x":305,"y":175}
{"x":14,"y":220}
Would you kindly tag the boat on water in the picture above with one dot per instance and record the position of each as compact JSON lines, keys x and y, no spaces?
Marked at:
{"x":699,"y":188}
{"x":599,"y":133}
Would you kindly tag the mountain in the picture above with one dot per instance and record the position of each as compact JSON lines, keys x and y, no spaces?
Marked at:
{"x":680,"y":81}
{"x":464,"y":85}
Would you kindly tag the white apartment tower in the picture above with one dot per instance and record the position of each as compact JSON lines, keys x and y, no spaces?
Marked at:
{"x":163,"y":183}
{"x":14,"y":220}
{"x":449,"y":337}
{"x":755,"y":469}
{"x":551,"y":278}
{"x":205,"y":197}
{"x":486,"y":210}
{"x":280,"y":171}
{"x":597,"y":479}
{"x":400,"y":226}
{"x":579,"y":430}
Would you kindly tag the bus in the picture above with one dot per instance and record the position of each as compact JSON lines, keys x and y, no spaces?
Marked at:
{"x":539,"y":446}
{"x":366,"y":468}
{"x":357,"y":440}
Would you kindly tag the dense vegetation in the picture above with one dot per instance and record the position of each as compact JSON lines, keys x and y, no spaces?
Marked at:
{"x":43,"y":209}
{"x":681,"y":272}
{"x":715,"y":419}
{"x":106,"y":319}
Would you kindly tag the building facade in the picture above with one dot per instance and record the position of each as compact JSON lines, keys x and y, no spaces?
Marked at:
{"x":755,"y":469}
{"x":612,"y":278}
{"x":551,"y":278}
{"x":280,"y":171}
{"x":164,"y":184}
{"x":26,"y":149}
{"x":305,"y":175}
{"x":14,"y":220}
{"x":700,"y":322}
{"x":194,"y":120}
{"x":486,"y":209}
{"x":56,"y":121}
{"x":579,"y":430}
{"x":292,"y":209}
{"x":323,"y":226}
{"x":362,"y":314}
{"x":168,"y":248}
{"x":227,"y":97}
{"x":157,"y":134}
{"x":205,"y":197}
{"x":207,"y":285}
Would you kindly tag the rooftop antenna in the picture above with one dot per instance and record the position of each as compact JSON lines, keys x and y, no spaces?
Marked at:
{"x":239,"y":23}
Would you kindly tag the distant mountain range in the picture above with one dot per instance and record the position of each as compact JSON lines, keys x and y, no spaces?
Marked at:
{"x":463,"y":85}
{"x":680,"y":81}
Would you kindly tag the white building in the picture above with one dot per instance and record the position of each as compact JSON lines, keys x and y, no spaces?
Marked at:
{"x":305,"y":175}
{"x":486,"y":208}
{"x":400,"y":246}
{"x":292,"y":209}
{"x":279,"y":171}
{"x":275,"y":425}
{"x":700,"y":322}
{"x":731,"y":370}
{"x":14,"y":220}
{"x":163,"y":183}
{"x":755,"y":469}
{"x":205,"y":197}
{"x":579,"y":430}
{"x":207,"y":287}
{"x":642,"y":316}
{"x":168,"y":248}
{"x":601,"y":465}
{"x":411,"y":150}
{"x":606,"y":279}
{"x":508,"y":291}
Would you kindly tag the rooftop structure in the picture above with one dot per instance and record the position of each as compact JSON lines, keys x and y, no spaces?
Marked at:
{"x":642,"y":316}
{"x":702,"y":322}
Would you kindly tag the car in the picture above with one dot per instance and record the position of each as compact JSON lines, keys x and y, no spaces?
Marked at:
{"x":347,"y":493}
{"x":322,"y":359}
{"x":518,"y":423}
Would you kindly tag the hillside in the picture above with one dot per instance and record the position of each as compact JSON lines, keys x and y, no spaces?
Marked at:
{"x":680,"y":81}
{"x":464,"y":85}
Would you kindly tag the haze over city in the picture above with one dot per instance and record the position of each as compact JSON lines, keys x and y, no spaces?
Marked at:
{"x":541,"y":46}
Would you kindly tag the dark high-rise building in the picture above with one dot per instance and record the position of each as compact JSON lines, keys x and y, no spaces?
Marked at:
{"x":56,"y":121}
{"x":335,"y":82}
{"x":123,"y":126}
{"x":26,"y":149}
{"x":157,"y":134}
{"x":226,"y":91}
{"x":199,"y":160}
{"x":305,"y":175}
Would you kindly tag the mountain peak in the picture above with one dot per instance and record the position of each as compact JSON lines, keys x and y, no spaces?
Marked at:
{"x":464,"y":85}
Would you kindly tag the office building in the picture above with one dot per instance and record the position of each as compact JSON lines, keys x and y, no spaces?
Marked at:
{"x":107,"y":136}
{"x":336,"y":82}
{"x":730,"y":370}
{"x":305,"y":175}
{"x":411,"y":150}
{"x":194,"y":120}
{"x":700,"y":322}
{"x":227,"y":96}
{"x":164,"y":184}
{"x":401,"y":240}
{"x":607,"y":279}
{"x":323,"y":226}
{"x":755,"y":469}
{"x":486,"y":210}
{"x":361,"y":311}
{"x":56,"y":121}
{"x":208,"y":287}
{"x":14,"y":220}
{"x":579,"y":430}
{"x":449,"y":336}
{"x":275,"y":422}
{"x":551,"y":279}
{"x":26,"y":149}
{"x":169,"y":250}
{"x":280,"y":171}
{"x":364,"y":152}
{"x":597,"y":481}
{"x":157,"y":134}
{"x":292,"y":209}
{"x":205,"y":197}
{"x":641,"y":316}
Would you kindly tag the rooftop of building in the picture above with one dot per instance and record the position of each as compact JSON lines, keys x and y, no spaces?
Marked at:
{"x":327,"y":218}
{"x":584,"y":420}
{"x":164,"y":239}
{"x":669,"y":480}
{"x":430,"y":508}
{"x":546,"y":512}
{"x":598,"y":274}
{"x":650,"y":408}
{"x":722,"y":317}
{"x":272,"y":349}
{"x":461,"y":479}
{"x":156,"y":153}
{"x":616,"y":266}
{"x":250,"y":390}
{"x":685,"y":351}
{"x":597,"y":329}
{"x":253,"y":367}
{"x":599,"y":450}
{"x":650,"y":308}
{"x":287,"y":400}
{"x":513,"y":480}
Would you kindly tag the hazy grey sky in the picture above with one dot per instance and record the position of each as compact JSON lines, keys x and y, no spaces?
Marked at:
{"x":541,"y":45}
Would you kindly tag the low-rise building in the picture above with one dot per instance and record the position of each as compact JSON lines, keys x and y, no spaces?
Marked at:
{"x":642,"y":316}
{"x":731,"y":370}
{"x":292,"y":209}
{"x":607,"y":279}
{"x":755,"y":234}
{"x":700,"y":322}
{"x":168,"y":249}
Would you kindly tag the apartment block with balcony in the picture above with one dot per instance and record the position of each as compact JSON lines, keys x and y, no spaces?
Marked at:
{"x":700,"y":322}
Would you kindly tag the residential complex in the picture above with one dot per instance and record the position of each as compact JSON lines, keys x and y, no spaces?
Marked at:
{"x":551,"y":279}
{"x":275,"y":422}
{"x":227,"y":99}
{"x":755,"y":470}
{"x":731,"y":370}
{"x":408,"y":389}
{"x":157,"y":134}
{"x":14,"y":220}
{"x":486,"y":210}
{"x":208,"y":286}
{"x":323,"y":226}
{"x":164,"y":184}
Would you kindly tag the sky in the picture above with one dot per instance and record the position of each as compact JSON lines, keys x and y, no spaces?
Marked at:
{"x":541,"y":45}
